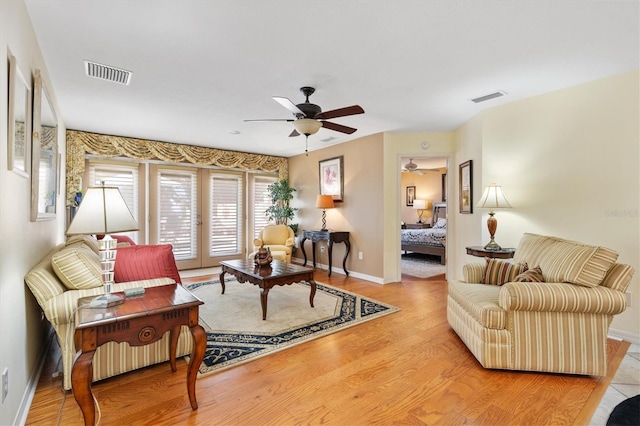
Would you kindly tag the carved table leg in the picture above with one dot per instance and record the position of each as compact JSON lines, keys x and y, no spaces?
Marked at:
{"x":222,"y":279}
{"x":174,"y":334}
{"x":81,"y":378}
{"x":330,"y":257}
{"x":347,"y":243}
{"x":197,"y":355}
{"x":313,"y":292}
{"x":264,"y":293}
{"x":304,"y":253}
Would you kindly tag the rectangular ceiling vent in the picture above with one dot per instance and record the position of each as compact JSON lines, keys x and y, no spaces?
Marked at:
{"x":488,"y":97}
{"x":106,"y":72}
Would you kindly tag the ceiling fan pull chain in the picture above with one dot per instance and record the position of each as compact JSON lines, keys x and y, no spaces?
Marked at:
{"x":306,"y":145}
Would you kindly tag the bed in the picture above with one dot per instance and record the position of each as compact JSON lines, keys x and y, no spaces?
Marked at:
{"x":431,"y":240}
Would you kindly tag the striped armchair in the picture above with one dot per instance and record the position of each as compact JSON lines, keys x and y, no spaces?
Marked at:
{"x":71,"y":271}
{"x":554,"y":320}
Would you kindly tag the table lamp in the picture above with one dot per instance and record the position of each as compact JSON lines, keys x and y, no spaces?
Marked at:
{"x":420,"y":206}
{"x":104,"y":211}
{"x":493,"y":198}
{"x":324,"y":202}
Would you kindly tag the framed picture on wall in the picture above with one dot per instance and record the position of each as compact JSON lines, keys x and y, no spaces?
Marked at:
{"x":411,"y":195}
{"x":444,"y":188}
{"x":332,"y":178}
{"x":466,"y":187}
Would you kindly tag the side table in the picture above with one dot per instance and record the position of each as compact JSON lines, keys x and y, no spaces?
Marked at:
{"x":479,"y":251}
{"x":331,"y":237}
{"x":139,"y":321}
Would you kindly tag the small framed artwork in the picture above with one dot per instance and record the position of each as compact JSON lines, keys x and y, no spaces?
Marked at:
{"x":444,"y":188}
{"x":466,"y":187}
{"x":411,"y":195}
{"x":331,"y":175}
{"x":19,"y":121}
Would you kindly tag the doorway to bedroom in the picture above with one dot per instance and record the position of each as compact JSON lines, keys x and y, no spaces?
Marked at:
{"x":423,"y":216}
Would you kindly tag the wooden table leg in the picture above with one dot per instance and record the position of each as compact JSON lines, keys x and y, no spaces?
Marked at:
{"x":264,"y":293}
{"x":222,"y":279}
{"x":197,"y":355}
{"x":313,"y":292}
{"x":81,"y":378}
{"x":174,"y":335}
{"x":346,"y":254}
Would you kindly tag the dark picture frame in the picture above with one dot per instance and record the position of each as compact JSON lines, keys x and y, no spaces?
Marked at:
{"x":465,"y":192}
{"x":331,"y":177}
{"x":411,"y":195}
{"x":444,"y":187}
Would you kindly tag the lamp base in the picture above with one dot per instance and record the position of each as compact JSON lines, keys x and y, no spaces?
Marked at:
{"x":492,"y":246}
{"x":106,"y":301}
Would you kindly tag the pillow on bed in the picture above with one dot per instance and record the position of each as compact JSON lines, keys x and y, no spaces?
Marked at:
{"x":440,"y":224}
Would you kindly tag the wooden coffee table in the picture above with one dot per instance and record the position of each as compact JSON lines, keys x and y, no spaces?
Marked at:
{"x":139,"y":321}
{"x":265,"y":277}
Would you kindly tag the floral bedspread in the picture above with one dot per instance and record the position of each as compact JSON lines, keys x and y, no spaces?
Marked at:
{"x":431,"y":237}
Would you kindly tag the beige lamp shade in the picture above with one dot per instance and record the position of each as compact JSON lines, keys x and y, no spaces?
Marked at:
{"x":307,"y":126}
{"x":324,"y":202}
{"x":102,"y":211}
{"x":493,"y":198}
{"x":419,"y":204}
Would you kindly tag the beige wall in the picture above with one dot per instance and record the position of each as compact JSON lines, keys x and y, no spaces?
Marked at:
{"x":568,"y":163}
{"x":23,"y":242}
{"x":359,"y":213}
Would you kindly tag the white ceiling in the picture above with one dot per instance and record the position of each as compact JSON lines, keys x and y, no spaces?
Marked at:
{"x":202,"y":67}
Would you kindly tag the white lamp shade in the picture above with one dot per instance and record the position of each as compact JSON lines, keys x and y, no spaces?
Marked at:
{"x":102,"y":211}
{"x":419,"y":204}
{"x":307,"y":126}
{"x":493,"y":198}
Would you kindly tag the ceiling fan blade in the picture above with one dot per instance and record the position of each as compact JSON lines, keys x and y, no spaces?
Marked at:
{"x":273,"y":119}
{"x":338,"y":127}
{"x":294,"y":133}
{"x":341,"y":112}
{"x":289,"y":105}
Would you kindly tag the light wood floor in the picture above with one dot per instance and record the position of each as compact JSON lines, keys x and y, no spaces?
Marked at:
{"x":404,"y":368}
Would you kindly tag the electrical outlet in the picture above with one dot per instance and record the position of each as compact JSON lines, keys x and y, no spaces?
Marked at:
{"x":360,"y":256}
{"x":5,"y":383}
{"x":321,"y":249}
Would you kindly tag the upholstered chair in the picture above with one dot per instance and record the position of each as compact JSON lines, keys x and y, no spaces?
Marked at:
{"x":279,"y":239}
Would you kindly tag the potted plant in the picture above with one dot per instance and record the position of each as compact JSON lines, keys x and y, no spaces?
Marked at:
{"x":281,"y":194}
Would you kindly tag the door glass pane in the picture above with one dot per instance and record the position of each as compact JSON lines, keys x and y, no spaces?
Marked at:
{"x":178,"y":215}
{"x":125,"y":178}
{"x":261,"y":202}
{"x":226,"y":214}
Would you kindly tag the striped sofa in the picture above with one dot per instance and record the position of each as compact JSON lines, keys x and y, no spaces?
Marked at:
{"x":559,"y":325}
{"x":71,"y":271}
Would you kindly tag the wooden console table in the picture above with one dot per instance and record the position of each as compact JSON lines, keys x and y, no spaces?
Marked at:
{"x":479,"y":251}
{"x":331,"y":237}
{"x":139,"y":321}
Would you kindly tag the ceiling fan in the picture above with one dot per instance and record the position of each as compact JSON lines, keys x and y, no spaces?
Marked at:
{"x":309,"y":118}
{"x":413,"y":167}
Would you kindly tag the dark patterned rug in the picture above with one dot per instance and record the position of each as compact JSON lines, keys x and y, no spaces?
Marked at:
{"x":237,"y":334}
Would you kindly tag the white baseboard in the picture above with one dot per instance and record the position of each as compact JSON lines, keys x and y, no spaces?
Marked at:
{"x":335,"y":269}
{"x":624,"y":335}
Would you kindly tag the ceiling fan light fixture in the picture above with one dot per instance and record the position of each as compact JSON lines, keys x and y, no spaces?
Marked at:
{"x":307,"y":126}
{"x":410,"y":166}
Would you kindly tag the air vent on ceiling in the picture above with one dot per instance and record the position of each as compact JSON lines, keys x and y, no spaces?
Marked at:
{"x":329,"y":139}
{"x":490,"y":96}
{"x":106,"y":72}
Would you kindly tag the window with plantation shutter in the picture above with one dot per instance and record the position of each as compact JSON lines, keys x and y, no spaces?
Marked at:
{"x":261,"y":202}
{"x":226,"y":214}
{"x":178,"y":213}
{"x":122,"y":176}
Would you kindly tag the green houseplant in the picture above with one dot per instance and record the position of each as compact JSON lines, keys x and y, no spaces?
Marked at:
{"x":281,"y":194}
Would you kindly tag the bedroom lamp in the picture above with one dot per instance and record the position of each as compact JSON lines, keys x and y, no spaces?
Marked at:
{"x":324,"y":202}
{"x":104,"y":211}
{"x":420,"y":205}
{"x":493,"y":198}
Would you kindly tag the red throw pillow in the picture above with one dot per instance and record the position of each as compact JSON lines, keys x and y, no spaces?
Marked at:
{"x":144,"y":262}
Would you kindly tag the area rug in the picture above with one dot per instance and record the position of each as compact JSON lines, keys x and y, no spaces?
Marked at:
{"x":237,"y":334}
{"x":421,"y":265}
